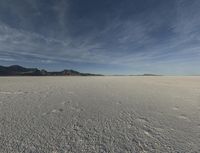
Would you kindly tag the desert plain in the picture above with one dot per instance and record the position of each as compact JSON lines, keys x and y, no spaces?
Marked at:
{"x":101,"y":114}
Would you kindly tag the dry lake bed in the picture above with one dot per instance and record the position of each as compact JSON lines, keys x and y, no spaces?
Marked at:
{"x":100,"y":114}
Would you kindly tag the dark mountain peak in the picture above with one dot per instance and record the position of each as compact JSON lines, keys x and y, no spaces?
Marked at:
{"x":147,"y":74}
{"x":70,"y":72}
{"x":15,"y":66}
{"x":17,"y":70}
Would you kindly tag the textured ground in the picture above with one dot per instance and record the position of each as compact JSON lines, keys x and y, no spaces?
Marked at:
{"x":99,"y":114}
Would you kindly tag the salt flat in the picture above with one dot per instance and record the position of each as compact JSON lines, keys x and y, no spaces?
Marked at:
{"x":99,"y":114}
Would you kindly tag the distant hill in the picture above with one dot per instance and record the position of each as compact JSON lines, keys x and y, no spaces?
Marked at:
{"x":151,"y":75}
{"x":139,"y":75}
{"x":16,"y":70}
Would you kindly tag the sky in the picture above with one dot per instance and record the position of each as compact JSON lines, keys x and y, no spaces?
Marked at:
{"x":102,"y":36}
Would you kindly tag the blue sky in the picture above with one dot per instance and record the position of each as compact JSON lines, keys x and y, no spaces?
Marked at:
{"x":102,"y":36}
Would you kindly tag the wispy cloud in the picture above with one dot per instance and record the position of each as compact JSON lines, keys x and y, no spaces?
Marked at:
{"x":129,"y":34}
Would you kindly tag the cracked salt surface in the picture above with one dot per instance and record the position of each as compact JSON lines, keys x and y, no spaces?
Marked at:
{"x":8,"y":93}
{"x":99,"y":114}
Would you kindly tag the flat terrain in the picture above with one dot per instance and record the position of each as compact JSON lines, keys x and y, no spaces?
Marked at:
{"x":99,"y":114}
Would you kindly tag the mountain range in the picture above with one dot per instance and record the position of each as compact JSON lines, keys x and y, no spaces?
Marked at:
{"x":16,"y":70}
